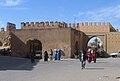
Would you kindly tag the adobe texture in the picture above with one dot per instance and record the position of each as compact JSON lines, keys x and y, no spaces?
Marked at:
{"x":52,"y":35}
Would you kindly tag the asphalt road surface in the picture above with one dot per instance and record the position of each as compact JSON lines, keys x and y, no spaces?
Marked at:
{"x":20,"y":69}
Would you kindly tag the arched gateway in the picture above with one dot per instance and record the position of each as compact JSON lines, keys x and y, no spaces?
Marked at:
{"x":68,"y":37}
{"x":34,"y":45}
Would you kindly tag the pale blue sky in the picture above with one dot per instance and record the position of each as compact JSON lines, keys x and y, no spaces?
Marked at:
{"x":17,"y":11}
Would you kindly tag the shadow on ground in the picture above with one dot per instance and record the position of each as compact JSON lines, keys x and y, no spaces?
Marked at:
{"x":15,"y":63}
{"x":102,"y":62}
{"x":92,"y":68}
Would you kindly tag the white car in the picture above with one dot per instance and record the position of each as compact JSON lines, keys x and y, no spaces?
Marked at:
{"x":115,"y":54}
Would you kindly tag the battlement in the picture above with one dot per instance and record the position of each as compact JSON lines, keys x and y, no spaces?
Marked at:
{"x":56,"y":24}
{"x":84,"y":26}
{"x":11,"y":27}
{"x":91,"y":24}
{"x":96,"y":27}
{"x":51,"y":24}
{"x":2,"y":29}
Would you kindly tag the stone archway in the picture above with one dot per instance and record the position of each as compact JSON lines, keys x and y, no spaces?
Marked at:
{"x":95,"y":42}
{"x":34,"y":45}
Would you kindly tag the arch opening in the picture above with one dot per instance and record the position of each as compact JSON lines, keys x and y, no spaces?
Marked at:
{"x":34,"y":45}
{"x":95,"y":43}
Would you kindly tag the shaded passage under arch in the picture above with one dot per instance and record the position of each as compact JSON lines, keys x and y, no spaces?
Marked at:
{"x":34,"y":45}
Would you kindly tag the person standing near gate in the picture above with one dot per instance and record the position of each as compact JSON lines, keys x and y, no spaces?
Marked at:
{"x":82,"y":58}
{"x":58,"y":54}
{"x":45,"y":56}
{"x":51,"y":55}
{"x":55,"y":54}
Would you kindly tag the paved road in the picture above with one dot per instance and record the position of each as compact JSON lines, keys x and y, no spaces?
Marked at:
{"x":20,"y":69}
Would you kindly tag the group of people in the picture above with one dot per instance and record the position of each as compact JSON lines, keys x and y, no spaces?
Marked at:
{"x":90,"y":55}
{"x":54,"y":55}
{"x":57,"y":54}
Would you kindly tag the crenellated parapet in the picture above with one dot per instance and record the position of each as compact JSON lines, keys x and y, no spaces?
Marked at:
{"x":89,"y":24}
{"x":11,"y":27}
{"x":95,"y":27}
{"x":56,"y":24}
{"x":82,"y":26}
{"x":2,"y":29}
{"x":51,"y":24}
{"x":93,"y":24}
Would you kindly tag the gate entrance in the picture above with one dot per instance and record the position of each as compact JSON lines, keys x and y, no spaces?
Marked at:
{"x":34,"y":45}
{"x":96,"y":44}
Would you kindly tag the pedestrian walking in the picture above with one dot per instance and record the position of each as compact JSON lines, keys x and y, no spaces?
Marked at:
{"x":89,"y":55}
{"x":82,"y":58}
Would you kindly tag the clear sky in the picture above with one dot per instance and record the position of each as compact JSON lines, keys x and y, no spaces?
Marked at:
{"x":69,"y":11}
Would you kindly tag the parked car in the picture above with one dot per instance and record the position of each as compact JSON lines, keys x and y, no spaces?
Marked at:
{"x":115,"y":54}
{"x":38,"y":54}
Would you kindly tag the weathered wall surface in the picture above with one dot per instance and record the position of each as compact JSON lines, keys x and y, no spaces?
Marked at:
{"x":83,"y":41}
{"x":96,"y":27}
{"x":78,"y":41}
{"x":68,"y":37}
{"x":3,"y":36}
{"x":113,"y":42}
{"x":75,"y":41}
{"x":50,"y":38}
